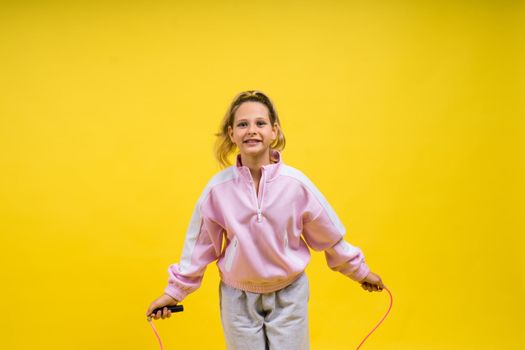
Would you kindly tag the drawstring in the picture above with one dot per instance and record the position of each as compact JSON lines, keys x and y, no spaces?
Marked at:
{"x":391,"y":302}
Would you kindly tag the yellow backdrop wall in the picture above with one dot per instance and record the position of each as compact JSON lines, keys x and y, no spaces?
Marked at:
{"x":408,"y":116}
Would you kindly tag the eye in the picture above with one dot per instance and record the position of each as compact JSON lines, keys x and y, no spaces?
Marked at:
{"x":259,"y":123}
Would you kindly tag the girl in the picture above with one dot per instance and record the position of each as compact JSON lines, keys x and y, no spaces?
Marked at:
{"x":269,"y":215}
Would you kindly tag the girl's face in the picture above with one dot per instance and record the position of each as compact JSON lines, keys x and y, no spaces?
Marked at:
{"x":252,"y":131}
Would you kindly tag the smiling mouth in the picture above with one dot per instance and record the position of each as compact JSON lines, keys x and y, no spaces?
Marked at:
{"x":252,"y":141}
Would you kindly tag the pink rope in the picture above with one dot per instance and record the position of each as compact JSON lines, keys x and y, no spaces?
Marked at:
{"x":157,"y":334}
{"x":390,"y":307}
{"x":391,"y":302}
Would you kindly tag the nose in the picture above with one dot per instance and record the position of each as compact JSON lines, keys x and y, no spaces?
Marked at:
{"x":251,"y":129}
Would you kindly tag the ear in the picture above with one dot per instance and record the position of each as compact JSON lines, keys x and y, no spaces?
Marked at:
{"x":230,"y":133}
{"x":275,"y":130}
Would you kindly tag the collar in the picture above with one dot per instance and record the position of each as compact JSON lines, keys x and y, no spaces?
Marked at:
{"x":271,"y":170}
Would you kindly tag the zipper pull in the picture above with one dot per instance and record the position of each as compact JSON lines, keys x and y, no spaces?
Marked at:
{"x":259,"y":215}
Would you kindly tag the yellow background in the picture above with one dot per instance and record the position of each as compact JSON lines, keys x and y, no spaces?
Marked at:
{"x":407,"y":115}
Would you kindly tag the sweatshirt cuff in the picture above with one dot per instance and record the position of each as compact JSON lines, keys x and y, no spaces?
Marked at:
{"x":175,"y":293}
{"x":361,"y":273}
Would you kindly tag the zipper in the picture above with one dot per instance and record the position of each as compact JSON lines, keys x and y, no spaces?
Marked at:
{"x":261,"y":190}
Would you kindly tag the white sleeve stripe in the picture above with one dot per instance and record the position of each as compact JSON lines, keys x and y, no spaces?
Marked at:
{"x":296,"y":174}
{"x":196,"y":218}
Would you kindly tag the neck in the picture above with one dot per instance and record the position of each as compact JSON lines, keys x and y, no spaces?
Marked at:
{"x":255,"y":162}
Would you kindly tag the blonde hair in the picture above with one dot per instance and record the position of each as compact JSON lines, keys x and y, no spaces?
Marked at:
{"x":224,"y":146}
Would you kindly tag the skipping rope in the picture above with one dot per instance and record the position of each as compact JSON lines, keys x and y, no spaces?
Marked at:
{"x":178,"y":308}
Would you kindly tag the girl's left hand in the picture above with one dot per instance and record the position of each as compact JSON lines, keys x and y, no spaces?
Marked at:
{"x":372,"y":283}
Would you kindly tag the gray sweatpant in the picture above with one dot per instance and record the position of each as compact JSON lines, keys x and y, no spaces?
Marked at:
{"x":274,"y":321}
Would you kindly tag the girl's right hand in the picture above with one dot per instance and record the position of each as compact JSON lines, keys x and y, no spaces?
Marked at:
{"x":162,"y":301}
{"x":372,"y":282}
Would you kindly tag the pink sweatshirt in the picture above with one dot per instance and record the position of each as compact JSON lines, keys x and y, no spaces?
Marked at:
{"x":266,"y":235}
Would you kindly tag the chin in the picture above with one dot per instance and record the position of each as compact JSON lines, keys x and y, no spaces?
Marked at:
{"x":254,"y":152}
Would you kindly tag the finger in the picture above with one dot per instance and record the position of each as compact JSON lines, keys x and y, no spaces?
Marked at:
{"x":164,"y":312}
{"x":150,"y":309}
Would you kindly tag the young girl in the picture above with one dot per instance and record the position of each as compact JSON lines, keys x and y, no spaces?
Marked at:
{"x":269,"y":215}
